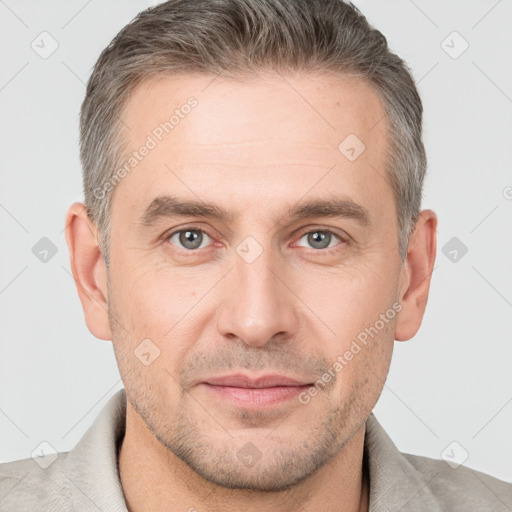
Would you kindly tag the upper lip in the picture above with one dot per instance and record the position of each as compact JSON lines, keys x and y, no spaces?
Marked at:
{"x":240,"y":380}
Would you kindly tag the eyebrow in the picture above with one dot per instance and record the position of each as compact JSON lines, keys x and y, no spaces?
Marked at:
{"x":171,"y":206}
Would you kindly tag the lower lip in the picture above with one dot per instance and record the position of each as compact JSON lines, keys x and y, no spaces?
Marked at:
{"x":257,"y":397}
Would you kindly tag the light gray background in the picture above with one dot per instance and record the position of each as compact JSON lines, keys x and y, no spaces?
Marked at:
{"x":452,"y":382}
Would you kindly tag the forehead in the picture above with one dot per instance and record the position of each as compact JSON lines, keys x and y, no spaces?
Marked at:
{"x":273,"y":136}
{"x":326,"y":103}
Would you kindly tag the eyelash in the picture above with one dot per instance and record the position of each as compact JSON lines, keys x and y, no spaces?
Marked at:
{"x":324,"y":251}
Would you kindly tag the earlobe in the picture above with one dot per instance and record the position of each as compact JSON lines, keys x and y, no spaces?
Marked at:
{"x":416,"y":276}
{"x":88,"y":269}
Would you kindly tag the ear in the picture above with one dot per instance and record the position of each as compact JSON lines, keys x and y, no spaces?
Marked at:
{"x":416,"y":274}
{"x":88,"y":270}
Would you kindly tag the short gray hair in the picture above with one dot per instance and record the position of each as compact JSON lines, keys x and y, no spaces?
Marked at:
{"x":244,"y":37}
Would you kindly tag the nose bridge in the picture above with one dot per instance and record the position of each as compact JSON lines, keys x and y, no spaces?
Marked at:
{"x":257,"y":305}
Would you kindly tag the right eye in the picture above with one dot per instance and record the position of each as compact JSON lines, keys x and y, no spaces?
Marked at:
{"x":188,"y":239}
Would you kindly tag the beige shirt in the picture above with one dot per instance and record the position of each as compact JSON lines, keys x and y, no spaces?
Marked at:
{"x":87,"y":477}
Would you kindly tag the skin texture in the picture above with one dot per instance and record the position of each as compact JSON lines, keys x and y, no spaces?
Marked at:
{"x":255,"y":147}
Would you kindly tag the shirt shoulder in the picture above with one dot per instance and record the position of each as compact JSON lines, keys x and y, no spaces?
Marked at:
{"x":86,"y":478}
{"x":403,"y":482}
{"x":461,"y":487}
{"x":35,"y":484}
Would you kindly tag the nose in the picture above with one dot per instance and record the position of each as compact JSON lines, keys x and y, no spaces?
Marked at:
{"x":257,"y":304}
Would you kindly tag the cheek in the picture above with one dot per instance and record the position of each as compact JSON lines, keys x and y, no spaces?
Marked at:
{"x":157,"y":296}
{"x":352,"y":298}
{"x":363,"y":366}
{"x":351,"y":303}
{"x":164,"y":305}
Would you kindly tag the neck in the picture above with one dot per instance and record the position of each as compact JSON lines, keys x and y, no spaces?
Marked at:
{"x":155,"y":479}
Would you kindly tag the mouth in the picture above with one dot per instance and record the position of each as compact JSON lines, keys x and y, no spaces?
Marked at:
{"x":260,"y":392}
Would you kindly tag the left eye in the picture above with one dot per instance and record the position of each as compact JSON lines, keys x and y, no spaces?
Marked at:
{"x":190,"y":239}
{"x":320,"y":239}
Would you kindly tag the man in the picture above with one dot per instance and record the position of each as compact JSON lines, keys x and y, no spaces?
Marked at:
{"x":252,"y":243}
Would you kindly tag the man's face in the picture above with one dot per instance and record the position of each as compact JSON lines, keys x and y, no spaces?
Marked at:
{"x":262,"y":292}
